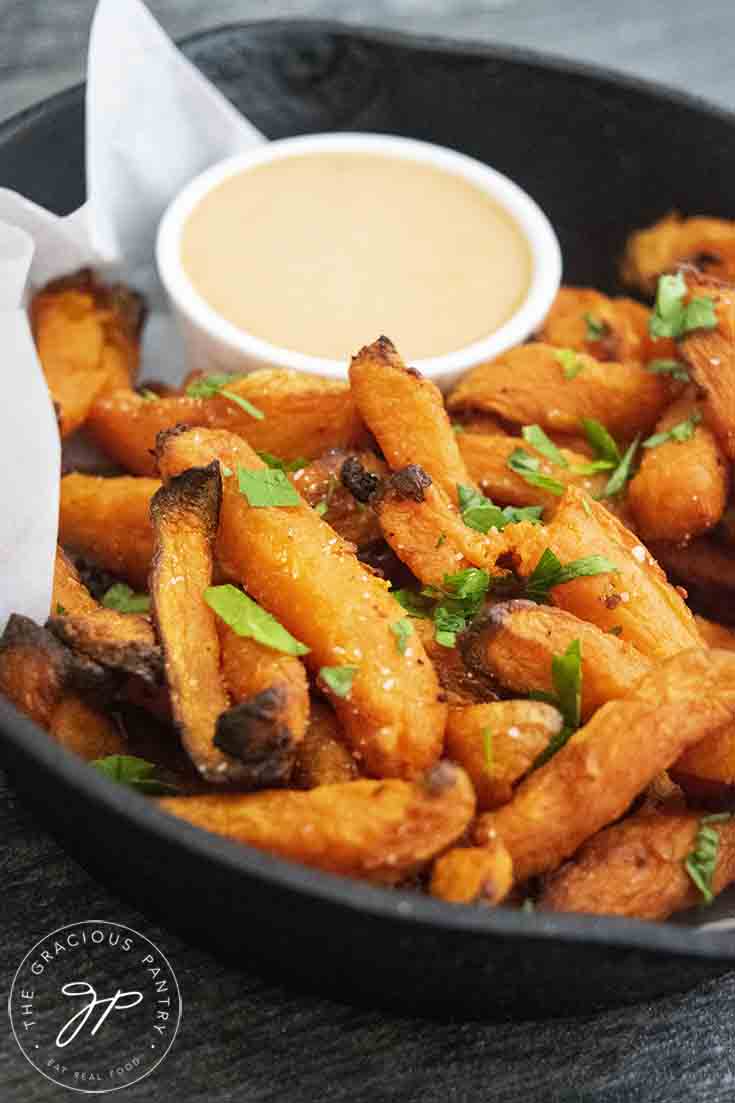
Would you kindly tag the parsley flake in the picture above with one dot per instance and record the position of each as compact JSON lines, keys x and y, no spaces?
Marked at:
{"x":674,"y":368}
{"x":566,"y":676}
{"x":134,"y":772}
{"x":416,"y":605}
{"x":481,"y":513}
{"x":283,"y":465}
{"x":487,"y":748}
{"x":402,"y":629}
{"x":570,"y":362}
{"x":266,"y":486}
{"x":679,"y":433}
{"x":441,"y":538}
{"x":338,"y":679}
{"x":210,"y":385}
{"x":537,"y":438}
{"x":527,"y":466}
{"x":608,"y":457}
{"x":148,"y":395}
{"x":247,"y":618}
{"x":701,"y":862}
{"x":671,"y":317}
{"x":549,"y":572}
{"x":125,"y":600}
{"x":60,"y":610}
{"x":596,"y":328}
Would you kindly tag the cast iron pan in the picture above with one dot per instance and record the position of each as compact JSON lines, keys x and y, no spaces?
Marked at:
{"x":602,"y":155}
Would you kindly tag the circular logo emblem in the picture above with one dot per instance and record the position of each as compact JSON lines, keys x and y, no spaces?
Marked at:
{"x":94,"y":1006}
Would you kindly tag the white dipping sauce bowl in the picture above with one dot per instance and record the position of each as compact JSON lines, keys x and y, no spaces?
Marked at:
{"x":216,"y":345}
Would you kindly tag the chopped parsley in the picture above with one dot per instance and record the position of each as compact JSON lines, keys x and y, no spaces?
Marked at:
{"x":247,"y":618}
{"x":566,"y":676}
{"x":283,"y":465}
{"x":440,"y":539}
{"x":338,"y":679}
{"x":210,"y":385}
{"x":596,"y":328}
{"x":417,"y":605}
{"x":550,"y":572}
{"x":148,"y":395}
{"x":608,"y":457}
{"x":679,"y":433}
{"x":527,"y":466}
{"x":452,"y":606}
{"x":622,"y":472}
{"x":701,"y":862}
{"x":537,"y":438}
{"x":487,"y":748}
{"x":570,"y":362}
{"x":266,"y":486}
{"x":481,"y":514}
{"x":458,"y":428}
{"x":674,"y":368}
{"x":60,"y":610}
{"x":600,"y":440}
{"x":671,"y":317}
{"x":402,"y":629}
{"x":125,"y":600}
{"x":134,"y":772}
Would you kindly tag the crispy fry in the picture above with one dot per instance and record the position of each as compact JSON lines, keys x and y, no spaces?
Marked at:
{"x":406,"y":415}
{"x":185,"y":515}
{"x":637,"y":599}
{"x":707,"y":569}
{"x":710,"y":354}
{"x":487,"y":461}
{"x":322,"y":758}
{"x":588,"y":321}
{"x":107,"y":522}
{"x":515,"y":642}
{"x":592,"y":780}
{"x":707,"y":242}
{"x":637,"y":868}
{"x":427,"y":533}
{"x":120,"y":641}
{"x":87,"y":335}
{"x":321,"y":485}
{"x":691,"y":477}
{"x":498,"y":743}
{"x":526,"y":386}
{"x":297,"y":567}
{"x":304,"y":415}
{"x":80,"y":727}
{"x":473,"y":875}
{"x":381,"y":831}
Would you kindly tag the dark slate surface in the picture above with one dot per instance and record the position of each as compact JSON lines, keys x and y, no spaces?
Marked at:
{"x":242,"y":1037}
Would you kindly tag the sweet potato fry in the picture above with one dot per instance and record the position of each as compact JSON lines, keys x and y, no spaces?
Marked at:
{"x":321,"y":485}
{"x":120,"y":641}
{"x":710,"y":355}
{"x":497,"y":743}
{"x":487,"y":462}
{"x":383,"y":831}
{"x":527,"y":386}
{"x":322,"y":757}
{"x":460,"y":686}
{"x":592,"y":780}
{"x":514,"y":642}
{"x":707,"y":569}
{"x":637,"y":868}
{"x":107,"y":521}
{"x":707,"y":242}
{"x":691,"y":476}
{"x":297,"y":567}
{"x":303,"y":415}
{"x":588,"y":321}
{"x":185,"y":515}
{"x":80,"y":727}
{"x":271,"y":704}
{"x":636,"y":599}
{"x":406,"y":415}
{"x":473,"y":875}
{"x":87,"y":335}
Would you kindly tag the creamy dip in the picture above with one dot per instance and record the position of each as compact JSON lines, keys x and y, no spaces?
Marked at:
{"x":320,"y":253}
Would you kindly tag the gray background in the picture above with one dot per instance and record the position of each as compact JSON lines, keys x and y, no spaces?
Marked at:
{"x":243,"y":1038}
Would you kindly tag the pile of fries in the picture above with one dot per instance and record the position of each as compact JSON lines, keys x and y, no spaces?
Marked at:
{"x":478,"y":646}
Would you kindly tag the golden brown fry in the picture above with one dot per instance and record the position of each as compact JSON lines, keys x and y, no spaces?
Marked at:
{"x":710,"y":355}
{"x":497,"y":743}
{"x":473,"y":875}
{"x":714,"y":634}
{"x":638,"y":867}
{"x":87,"y":335}
{"x":487,"y":461}
{"x":304,"y":415}
{"x":185,"y":515}
{"x":80,"y":727}
{"x":320,"y":484}
{"x":322,"y":758}
{"x":707,"y":569}
{"x":107,"y":522}
{"x":427,"y":533}
{"x":527,"y":386}
{"x":681,"y":487}
{"x":588,"y":321}
{"x":636,"y":599}
{"x":592,"y":780}
{"x":514,"y":642}
{"x":297,"y":567}
{"x":707,"y":242}
{"x":383,"y":831}
{"x":120,"y":641}
{"x":406,"y":415}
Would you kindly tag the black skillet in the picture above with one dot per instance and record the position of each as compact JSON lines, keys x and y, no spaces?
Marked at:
{"x":601,"y":154}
